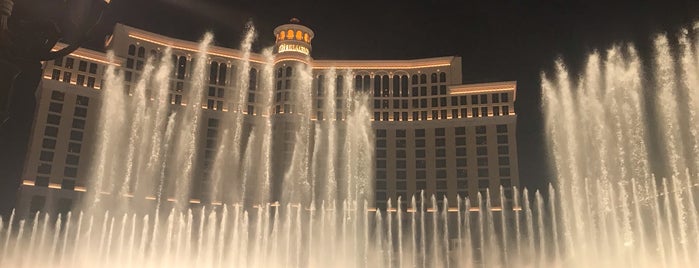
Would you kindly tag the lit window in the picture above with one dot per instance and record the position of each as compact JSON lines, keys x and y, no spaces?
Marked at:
{"x":306,"y":38}
{"x":299,"y":35}
{"x":282,"y":35}
{"x":290,"y":34}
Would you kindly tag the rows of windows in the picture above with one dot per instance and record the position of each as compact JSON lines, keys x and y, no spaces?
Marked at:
{"x":51,"y":137}
{"x":65,"y":71}
{"x":294,"y":35}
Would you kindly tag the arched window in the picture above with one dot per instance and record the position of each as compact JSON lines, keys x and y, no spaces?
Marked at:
{"x":288,"y":71}
{"x":367,"y":83}
{"x":414,"y":78}
{"x":280,"y":72}
{"x":299,"y":35}
{"x":442,"y":77}
{"x":377,"y":86}
{"x":384,"y":86}
{"x":222,"y":73}
{"x":282,"y":35}
{"x":396,"y":86}
{"x":433,"y":78}
{"x":132,"y":50}
{"x":357,"y":82}
{"x":423,"y":79}
{"x":213,"y":72}
{"x":339,"y":85}
{"x":306,"y":38}
{"x":290,"y":34}
{"x":253,"y":79}
{"x":181,"y":67}
{"x":174,"y":64}
{"x":404,"y":85}
{"x":141,"y":52}
{"x":153,"y":53}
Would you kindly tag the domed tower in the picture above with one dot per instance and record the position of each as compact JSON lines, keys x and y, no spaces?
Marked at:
{"x":293,"y":82}
{"x":293,"y":41}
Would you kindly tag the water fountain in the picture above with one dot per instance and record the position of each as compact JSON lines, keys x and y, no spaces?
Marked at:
{"x":606,"y":209}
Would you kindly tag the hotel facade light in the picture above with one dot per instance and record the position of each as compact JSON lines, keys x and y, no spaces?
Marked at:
{"x":293,"y":41}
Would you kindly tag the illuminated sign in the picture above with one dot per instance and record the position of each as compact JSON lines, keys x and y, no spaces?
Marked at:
{"x":294,"y":48}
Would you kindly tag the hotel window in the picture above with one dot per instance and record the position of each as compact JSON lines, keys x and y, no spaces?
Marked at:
{"x":58,"y":61}
{"x":484,"y":111}
{"x":404,"y":104}
{"x":400,"y":154}
{"x":502,"y":139}
{"x":57,"y":95}
{"x":463,"y":100}
{"x":504,"y":97}
{"x":66,"y":184}
{"x":443,"y":101}
{"x":461,"y":151}
{"x":132,"y":50}
{"x":423,"y":91}
{"x":44,"y":168}
{"x":213,"y":74}
{"x":443,"y":113}
{"x":419,"y":153}
{"x":252,"y":85}
{"x":440,"y":142}
{"x":76,"y":135}
{"x":474,"y":99}
{"x":459,"y":141}
{"x":414,"y":79}
{"x":505,"y":172}
{"x":443,"y":89}
{"x":433,"y":78}
{"x":423,"y":115}
{"x":440,"y":163}
{"x":66,"y":77}
{"x":501,"y":128}
{"x":400,"y":164}
{"x":420,"y":143}
{"x":442,"y":77}
{"x":462,"y":184}
{"x":474,"y":112}
{"x":93,"y":68}
{"x":82,"y":100}
{"x":141,"y":52}
{"x":420,"y":185}
{"x":222,"y":74}
{"x":80,"y":112}
{"x":441,"y":152}
{"x":420,"y":163}
{"x":70,"y":172}
{"x":460,"y":130}
{"x":78,"y":123}
{"x":504,"y":160}
{"x":496,"y":110}
{"x":69,"y":63}
{"x":72,"y":159}
{"x":46,"y":156}
{"x":385,"y":114}
{"x":433,"y":90}
{"x":55,"y":107}
{"x":482,"y":161}
{"x":82,"y":66}
{"x":454,"y":101}
{"x":41,"y":181}
{"x":503,"y":149}
{"x":380,"y":163}
{"x":367,"y":83}
{"x":181,"y":66}
{"x":484,"y":99}
{"x":506,"y":183}
{"x":56,"y":74}
{"x":51,"y":131}
{"x":129,"y":63}
{"x":48,"y":144}
{"x":505,"y":110}
{"x":435,"y":114}
{"x":461,"y":173}
{"x":396,"y":104}
{"x":80,"y":81}
{"x":400,"y":133}
{"x":481,"y":140}
{"x":91,"y":82}
{"x":495,"y":98}
{"x":482,"y":150}
{"x":404,"y":85}
{"x":483,"y":183}
{"x":441,"y":184}
{"x":53,"y":119}
{"x":482,"y":172}
{"x":423,"y":79}
{"x":74,"y":147}
{"x":435,"y":102}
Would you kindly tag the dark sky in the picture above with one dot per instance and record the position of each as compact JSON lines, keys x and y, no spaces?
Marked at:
{"x":497,"y":40}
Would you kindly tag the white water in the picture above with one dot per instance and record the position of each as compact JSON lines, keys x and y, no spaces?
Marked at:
{"x":606,"y":209}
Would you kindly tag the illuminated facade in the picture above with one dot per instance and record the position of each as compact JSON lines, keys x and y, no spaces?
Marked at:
{"x":432,"y":132}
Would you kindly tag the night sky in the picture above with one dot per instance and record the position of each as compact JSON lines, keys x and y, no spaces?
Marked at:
{"x":497,"y":40}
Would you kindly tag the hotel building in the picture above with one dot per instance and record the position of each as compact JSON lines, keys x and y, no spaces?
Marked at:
{"x":432,"y":132}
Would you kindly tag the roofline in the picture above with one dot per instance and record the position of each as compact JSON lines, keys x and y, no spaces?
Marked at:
{"x":484,"y":88}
